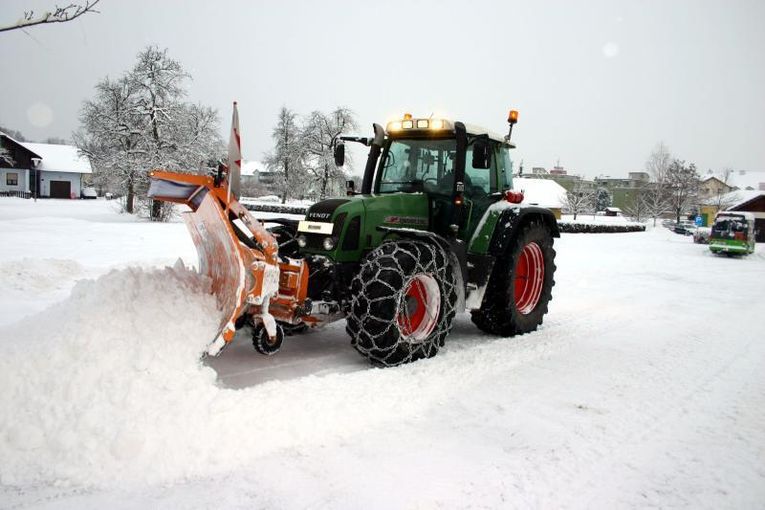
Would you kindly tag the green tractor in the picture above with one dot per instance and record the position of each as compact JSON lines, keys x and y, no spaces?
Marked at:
{"x":435,"y":229}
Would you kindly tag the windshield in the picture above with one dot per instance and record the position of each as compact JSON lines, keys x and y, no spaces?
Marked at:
{"x":414,"y":165}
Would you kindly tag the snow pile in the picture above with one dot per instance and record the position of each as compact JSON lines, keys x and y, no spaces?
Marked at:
{"x":107,"y":388}
{"x":85,"y":381}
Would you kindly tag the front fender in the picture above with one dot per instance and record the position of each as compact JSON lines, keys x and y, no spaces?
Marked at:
{"x":455,"y":250}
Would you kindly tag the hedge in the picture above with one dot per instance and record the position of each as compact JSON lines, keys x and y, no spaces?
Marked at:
{"x":591,"y":228}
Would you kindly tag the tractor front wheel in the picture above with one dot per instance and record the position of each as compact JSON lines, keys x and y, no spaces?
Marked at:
{"x":403,"y":303}
{"x":265,"y":344}
{"x":521,"y":285}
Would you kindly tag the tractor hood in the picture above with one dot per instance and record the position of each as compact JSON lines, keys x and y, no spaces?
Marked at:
{"x":352,"y":222}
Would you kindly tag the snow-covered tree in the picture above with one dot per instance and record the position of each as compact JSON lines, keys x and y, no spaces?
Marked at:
{"x":603,"y":199}
{"x":319,"y":133}
{"x":579,"y":199}
{"x":111,"y":135}
{"x":682,"y":186}
{"x":288,"y":156}
{"x":139,"y":122}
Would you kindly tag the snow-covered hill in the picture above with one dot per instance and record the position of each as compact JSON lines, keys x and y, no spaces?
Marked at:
{"x":643,"y":388}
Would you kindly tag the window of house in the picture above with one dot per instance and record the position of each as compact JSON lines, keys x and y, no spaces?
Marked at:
{"x":12,"y":179}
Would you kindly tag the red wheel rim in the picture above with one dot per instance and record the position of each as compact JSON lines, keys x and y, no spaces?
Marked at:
{"x":417,"y":313}
{"x":528,"y":278}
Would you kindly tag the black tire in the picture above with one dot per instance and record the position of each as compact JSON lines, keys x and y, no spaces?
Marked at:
{"x":397,"y":284}
{"x":265,"y":345}
{"x":499,"y":313}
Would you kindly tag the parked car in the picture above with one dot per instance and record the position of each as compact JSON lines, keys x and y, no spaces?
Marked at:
{"x":701,"y":235}
{"x":88,"y":193}
{"x":685,"y":227}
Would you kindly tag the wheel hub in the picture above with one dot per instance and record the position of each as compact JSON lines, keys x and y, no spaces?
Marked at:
{"x":528,"y":278}
{"x":417,"y":313}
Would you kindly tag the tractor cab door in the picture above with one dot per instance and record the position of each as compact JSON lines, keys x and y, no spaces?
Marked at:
{"x":480,"y":184}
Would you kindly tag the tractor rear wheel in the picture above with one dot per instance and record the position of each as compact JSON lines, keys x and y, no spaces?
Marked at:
{"x":403,"y":302}
{"x":520,"y":286}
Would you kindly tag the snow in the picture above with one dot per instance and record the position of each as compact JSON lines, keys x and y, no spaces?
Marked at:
{"x":643,"y":387}
{"x":541,"y":192}
{"x":59,"y":158}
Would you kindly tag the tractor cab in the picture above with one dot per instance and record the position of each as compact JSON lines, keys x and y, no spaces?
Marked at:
{"x":460,"y":169}
{"x":456,"y":170}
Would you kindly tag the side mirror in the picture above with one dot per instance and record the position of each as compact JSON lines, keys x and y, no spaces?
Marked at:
{"x":350,"y":188}
{"x":340,"y":154}
{"x":482,"y":153}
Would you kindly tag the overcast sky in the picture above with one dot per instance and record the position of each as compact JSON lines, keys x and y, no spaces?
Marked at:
{"x":597,"y":83}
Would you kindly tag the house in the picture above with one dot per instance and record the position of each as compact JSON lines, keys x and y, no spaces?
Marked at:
{"x":541,"y":192}
{"x":712,"y":186}
{"x":623,"y":189}
{"x":42,"y":169}
{"x":613,"y":211}
{"x":258,"y":179}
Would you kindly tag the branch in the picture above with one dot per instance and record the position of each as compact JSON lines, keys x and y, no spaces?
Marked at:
{"x":60,"y":15}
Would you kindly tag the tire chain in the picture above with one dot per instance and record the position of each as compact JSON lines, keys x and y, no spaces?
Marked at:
{"x":377,"y":292}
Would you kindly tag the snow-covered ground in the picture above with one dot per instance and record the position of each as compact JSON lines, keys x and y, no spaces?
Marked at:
{"x":643,"y":388}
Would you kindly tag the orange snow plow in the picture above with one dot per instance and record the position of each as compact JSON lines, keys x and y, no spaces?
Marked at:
{"x":248,"y":277}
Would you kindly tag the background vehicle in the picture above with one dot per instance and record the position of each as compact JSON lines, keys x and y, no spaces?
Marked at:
{"x":435,"y":229}
{"x":686,"y":228}
{"x":732,"y":233}
{"x":88,"y":193}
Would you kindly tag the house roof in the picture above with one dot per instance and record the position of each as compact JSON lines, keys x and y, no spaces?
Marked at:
{"x":743,"y":179}
{"x":709,"y":178}
{"x":59,"y":158}
{"x":542,"y":192}
{"x":739,"y":197}
{"x":249,"y":167}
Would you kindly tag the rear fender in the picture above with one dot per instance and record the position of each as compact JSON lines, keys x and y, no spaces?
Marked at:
{"x":510,"y":222}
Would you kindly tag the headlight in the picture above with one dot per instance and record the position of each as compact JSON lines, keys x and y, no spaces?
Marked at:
{"x":329,"y":243}
{"x":302,"y":241}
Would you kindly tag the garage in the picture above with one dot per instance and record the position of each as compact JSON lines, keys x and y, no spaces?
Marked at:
{"x":60,"y":189}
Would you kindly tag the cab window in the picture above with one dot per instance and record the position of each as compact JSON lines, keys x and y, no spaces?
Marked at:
{"x":479,"y":181}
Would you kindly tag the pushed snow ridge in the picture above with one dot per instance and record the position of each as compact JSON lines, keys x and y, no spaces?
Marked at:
{"x":86,"y":381}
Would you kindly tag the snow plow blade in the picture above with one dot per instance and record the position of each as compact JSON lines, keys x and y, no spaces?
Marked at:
{"x":221,"y":261}
{"x":237,"y":254}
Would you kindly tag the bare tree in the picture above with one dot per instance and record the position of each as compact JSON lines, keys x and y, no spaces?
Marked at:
{"x":721,"y":198}
{"x":636,"y":206}
{"x":58,"y":15}
{"x":16,"y":135}
{"x":288,"y":156}
{"x":655,"y":195}
{"x":579,"y":199}
{"x":655,"y":199}
{"x":320,"y":132}
{"x":658,"y":163}
{"x":682,"y":186}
